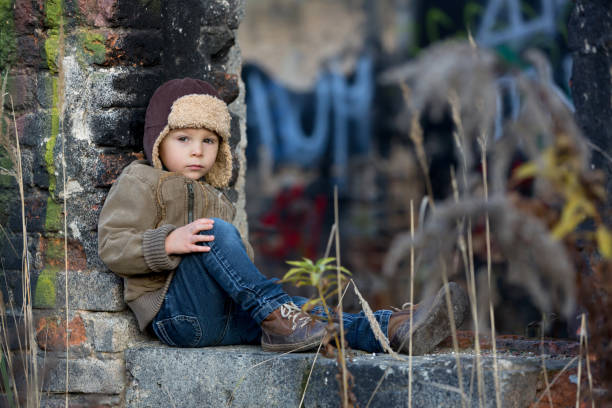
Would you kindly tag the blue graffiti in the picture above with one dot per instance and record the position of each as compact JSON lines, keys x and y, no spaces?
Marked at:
{"x":341,"y":115}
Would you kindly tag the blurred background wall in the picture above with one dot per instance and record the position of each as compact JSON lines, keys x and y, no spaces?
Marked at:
{"x":319,"y":117}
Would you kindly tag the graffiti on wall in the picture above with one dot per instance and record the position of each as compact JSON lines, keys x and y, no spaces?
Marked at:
{"x":332,"y":122}
{"x":509,"y":26}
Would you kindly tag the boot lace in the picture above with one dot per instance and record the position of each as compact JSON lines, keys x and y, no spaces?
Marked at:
{"x":292,"y":312}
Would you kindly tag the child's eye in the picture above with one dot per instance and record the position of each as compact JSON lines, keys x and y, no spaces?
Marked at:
{"x":182,"y":138}
{"x":209,"y":140}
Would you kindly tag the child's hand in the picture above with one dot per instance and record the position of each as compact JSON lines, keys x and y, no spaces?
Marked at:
{"x":183,"y":240}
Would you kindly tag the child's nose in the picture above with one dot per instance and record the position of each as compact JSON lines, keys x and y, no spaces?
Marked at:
{"x":196,"y":149}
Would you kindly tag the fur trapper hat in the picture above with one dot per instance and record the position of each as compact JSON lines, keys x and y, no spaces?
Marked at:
{"x":189,"y":103}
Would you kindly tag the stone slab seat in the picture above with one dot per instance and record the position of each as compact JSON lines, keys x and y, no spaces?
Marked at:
{"x":246,"y":376}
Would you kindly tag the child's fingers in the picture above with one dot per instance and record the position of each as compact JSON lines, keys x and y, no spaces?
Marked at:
{"x":204,"y":221}
{"x":199,"y":248}
{"x":204,"y":238}
{"x":201,"y":226}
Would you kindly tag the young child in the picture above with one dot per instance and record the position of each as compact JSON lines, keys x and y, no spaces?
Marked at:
{"x":188,"y":274}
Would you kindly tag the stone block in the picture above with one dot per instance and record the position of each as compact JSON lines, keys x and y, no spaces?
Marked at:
{"x":54,"y":334}
{"x":21,"y":90}
{"x":44,"y":90}
{"x":237,"y":13}
{"x":35,"y":208}
{"x":226,"y":84}
{"x":33,"y":127}
{"x":134,"y":48}
{"x":85,"y":375}
{"x":110,"y":165}
{"x":87,"y":290}
{"x":123,"y":87}
{"x":144,"y":14}
{"x":88,"y":332}
{"x":218,"y":42}
{"x":11,"y":251}
{"x":118,"y":127}
{"x":14,"y":329}
{"x":28,"y":51}
{"x":91,"y":290}
{"x":26,"y":16}
{"x":81,"y":401}
{"x":97,"y":13}
{"x":114,"y":332}
{"x":247,"y":376}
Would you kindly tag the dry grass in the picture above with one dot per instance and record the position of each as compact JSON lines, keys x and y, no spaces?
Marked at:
{"x":27,"y":345}
{"x":530,"y":237}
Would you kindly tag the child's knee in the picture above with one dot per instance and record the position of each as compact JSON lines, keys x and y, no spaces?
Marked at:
{"x":222,"y":228}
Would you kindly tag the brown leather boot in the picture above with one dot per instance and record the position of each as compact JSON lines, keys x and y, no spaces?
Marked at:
{"x":430,"y":322}
{"x":290,"y":329}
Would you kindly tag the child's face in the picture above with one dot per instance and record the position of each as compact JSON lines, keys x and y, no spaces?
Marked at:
{"x":191,"y":152}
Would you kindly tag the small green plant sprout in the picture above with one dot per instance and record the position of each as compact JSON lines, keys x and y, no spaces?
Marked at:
{"x":322,"y":275}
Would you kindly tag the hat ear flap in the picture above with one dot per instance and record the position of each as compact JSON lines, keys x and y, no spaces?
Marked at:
{"x":221,"y":172}
{"x":155,"y":153}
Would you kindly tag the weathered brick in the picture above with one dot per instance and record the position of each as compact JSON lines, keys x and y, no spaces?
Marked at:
{"x":52,"y":250}
{"x":28,"y":50}
{"x":237,"y":13}
{"x":92,"y":290}
{"x":86,"y":375}
{"x":110,"y":165}
{"x":20,"y":89}
{"x":118,"y":127}
{"x":98,"y":13}
{"x":14,"y":330}
{"x":87,"y":290}
{"x":81,"y":401}
{"x":52,"y":332}
{"x":32,"y":126}
{"x":35,"y":207}
{"x":26,"y":16}
{"x":11,"y":250}
{"x":113,"y":332}
{"x":218,"y":42}
{"x":142,"y":14}
{"x":226,"y":84}
{"x":134,"y":48}
{"x":44,"y":90}
{"x":123,"y":87}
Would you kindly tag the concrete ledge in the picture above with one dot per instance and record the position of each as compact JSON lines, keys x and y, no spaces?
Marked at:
{"x":245,"y":376}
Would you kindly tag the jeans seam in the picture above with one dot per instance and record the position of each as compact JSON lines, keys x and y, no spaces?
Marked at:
{"x":162,"y":330}
{"x":197,"y":328}
{"x":226,"y":327}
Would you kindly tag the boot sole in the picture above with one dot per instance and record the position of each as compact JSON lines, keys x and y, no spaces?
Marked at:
{"x":436,"y":327}
{"x":297,"y":347}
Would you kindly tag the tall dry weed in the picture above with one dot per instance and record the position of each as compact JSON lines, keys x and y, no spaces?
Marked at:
{"x":534,"y":215}
{"x":19,"y":369}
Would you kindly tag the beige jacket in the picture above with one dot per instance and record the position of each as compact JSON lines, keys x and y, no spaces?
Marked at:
{"x":142,"y":207}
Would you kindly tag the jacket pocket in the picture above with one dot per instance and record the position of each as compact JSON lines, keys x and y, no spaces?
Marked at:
{"x":179,"y":331}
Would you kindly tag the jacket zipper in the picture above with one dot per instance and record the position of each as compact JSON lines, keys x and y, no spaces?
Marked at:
{"x":189,"y":203}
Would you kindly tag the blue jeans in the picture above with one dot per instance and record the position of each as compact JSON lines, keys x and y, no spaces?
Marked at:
{"x":220,"y":298}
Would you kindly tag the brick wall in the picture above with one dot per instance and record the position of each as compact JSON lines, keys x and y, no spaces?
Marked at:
{"x":81,"y":73}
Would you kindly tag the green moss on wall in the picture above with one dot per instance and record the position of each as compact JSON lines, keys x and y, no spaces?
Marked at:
{"x":93,"y":47}
{"x":44,"y":292}
{"x":7,"y":34}
{"x":51,"y":50}
{"x":55,"y":251}
{"x":53,"y":13}
{"x":53,"y":215}
{"x":50,"y":146}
